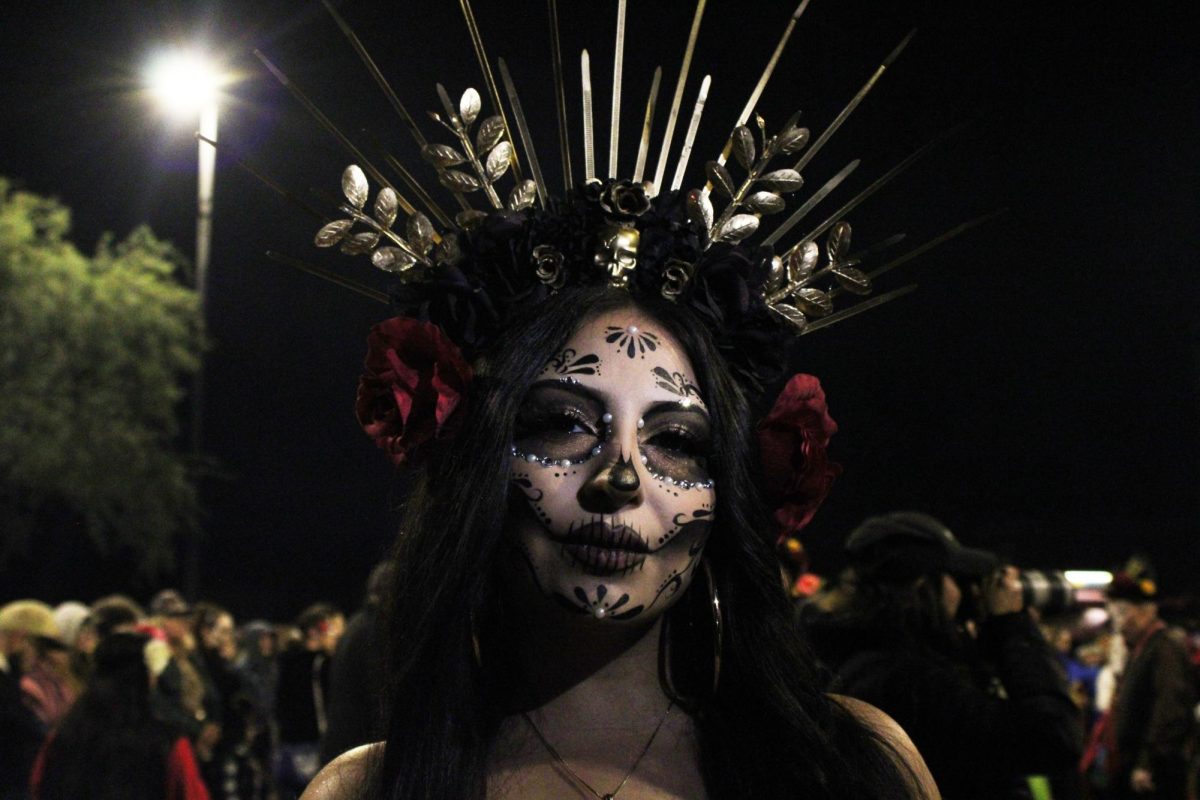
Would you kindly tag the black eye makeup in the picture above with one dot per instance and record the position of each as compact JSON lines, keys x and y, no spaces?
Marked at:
{"x":675,"y":443}
{"x":558,"y":427}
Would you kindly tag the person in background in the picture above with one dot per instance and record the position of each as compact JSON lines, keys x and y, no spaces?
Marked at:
{"x":111,"y":745}
{"x":303,"y":697}
{"x":1146,"y":731}
{"x":46,"y":684}
{"x":20,"y":728}
{"x":985,"y":710}
{"x":258,"y":667}
{"x":74,"y":620}
{"x":356,"y":678}
{"x":187,"y":695}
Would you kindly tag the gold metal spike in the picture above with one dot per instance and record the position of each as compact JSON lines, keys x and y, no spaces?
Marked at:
{"x":855,"y":310}
{"x":876,"y":185}
{"x":405,"y":117}
{"x":764,"y":79}
{"x":690,"y":139}
{"x":523,"y":129}
{"x":589,"y":148}
{"x":265,"y":180}
{"x":811,"y":203}
{"x":644,"y":147}
{"x":853,"y":104}
{"x":330,"y":276}
{"x":328,"y":125}
{"x":677,"y":100}
{"x":488,"y":79}
{"x":560,"y":97}
{"x":614,"y":135}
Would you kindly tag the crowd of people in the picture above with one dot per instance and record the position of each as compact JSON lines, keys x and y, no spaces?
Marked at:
{"x":177,"y":700}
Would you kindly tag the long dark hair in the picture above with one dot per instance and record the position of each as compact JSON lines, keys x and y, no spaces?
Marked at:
{"x":769,"y":731}
{"x":109,"y":746}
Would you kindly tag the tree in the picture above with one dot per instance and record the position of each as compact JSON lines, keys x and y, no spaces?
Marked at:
{"x":93,"y":352}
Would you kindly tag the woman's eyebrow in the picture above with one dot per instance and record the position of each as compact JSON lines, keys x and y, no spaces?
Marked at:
{"x":568,"y":386}
{"x":678,"y":407}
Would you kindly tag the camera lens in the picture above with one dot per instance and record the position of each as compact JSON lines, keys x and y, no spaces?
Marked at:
{"x":1047,"y":591}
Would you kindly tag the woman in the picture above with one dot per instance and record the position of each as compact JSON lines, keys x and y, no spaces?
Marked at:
{"x":569,"y":641}
{"x":110,"y":744}
{"x":587,"y":600}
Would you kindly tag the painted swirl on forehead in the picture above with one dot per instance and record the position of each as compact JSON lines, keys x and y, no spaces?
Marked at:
{"x":632,"y":340}
{"x":570,"y":362}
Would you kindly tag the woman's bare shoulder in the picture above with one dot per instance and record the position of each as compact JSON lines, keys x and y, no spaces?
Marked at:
{"x":890,"y":732}
{"x":346,"y":776}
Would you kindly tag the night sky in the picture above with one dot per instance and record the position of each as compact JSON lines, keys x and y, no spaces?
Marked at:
{"x":1038,"y":393}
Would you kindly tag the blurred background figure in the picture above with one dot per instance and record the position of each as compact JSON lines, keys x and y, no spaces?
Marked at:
{"x":186,"y":694}
{"x":46,"y":683}
{"x":78,"y":633}
{"x":937,"y":635}
{"x":258,"y":667}
{"x":111,"y":745}
{"x":302,"y":699}
{"x":229,"y":766}
{"x":21,"y":730}
{"x":1139,"y":748}
{"x":356,"y":675}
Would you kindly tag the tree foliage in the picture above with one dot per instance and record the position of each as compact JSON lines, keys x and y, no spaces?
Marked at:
{"x":93,"y":351}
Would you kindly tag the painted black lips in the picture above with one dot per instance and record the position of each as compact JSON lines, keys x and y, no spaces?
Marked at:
{"x":612,"y":537}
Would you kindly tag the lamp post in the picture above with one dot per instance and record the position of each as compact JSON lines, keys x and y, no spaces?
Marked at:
{"x":187,"y":84}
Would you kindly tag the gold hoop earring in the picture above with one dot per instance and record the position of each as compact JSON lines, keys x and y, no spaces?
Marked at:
{"x":715,"y":606}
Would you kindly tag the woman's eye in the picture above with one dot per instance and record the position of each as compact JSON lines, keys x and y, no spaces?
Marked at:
{"x":676,"y":442}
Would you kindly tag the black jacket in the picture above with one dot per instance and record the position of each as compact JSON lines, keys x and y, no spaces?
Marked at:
{"x":982,"y":714}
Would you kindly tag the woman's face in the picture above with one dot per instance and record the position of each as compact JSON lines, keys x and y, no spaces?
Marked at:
{"x":612,"y":499}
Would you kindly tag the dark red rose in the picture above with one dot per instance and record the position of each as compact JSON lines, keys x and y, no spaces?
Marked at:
{"x":792,"y":440}
{"x":413,"y":379}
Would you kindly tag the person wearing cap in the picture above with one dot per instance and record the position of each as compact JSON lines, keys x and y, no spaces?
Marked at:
{"x":985,"y":709}
{"x":47,"y":686}
{"x":21,"y":730}
{"x":1148,"y":725}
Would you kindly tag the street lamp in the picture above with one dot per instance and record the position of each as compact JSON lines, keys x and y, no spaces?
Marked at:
{"x":187,"y":84}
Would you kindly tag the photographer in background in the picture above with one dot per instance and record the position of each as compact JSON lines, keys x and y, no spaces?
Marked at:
{"x":985,"y":708}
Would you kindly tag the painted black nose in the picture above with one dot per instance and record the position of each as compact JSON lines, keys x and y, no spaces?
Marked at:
{"x":611,"y":488}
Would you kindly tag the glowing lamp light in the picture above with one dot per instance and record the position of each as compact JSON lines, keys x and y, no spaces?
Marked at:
{"x":184,"y":81}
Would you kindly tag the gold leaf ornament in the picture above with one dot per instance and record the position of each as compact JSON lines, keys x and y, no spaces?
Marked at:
{"x":838,"y":243}
{"x":792,"y":315}
{"x":522,"y":196}
{"x":457,"y":181}
{"x":333,"y":232}
{"x":765,"y":202}
{"x":442,"y":155}
{"x":782,"y":180}
{"x":386,"y":206}
{"x":793,"y":140}
{"x":736,"y":228}
{"x":802,"y":262}
{"x":491,"y":131}
{"x":700,"y":209}
{"x":420,"y":232}
{"x":498,"y":161}
{"x":392,"y":259}
{"x":743,"y":146}
{"x":720,"y":177}
{"x":469,"y":106}
{"x":360,"y":243}
{"x":813,"y":302}
{"x":354,"y":186}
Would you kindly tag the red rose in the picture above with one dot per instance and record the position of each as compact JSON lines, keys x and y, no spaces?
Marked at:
{"x":413,"y":380}
{"x":792,"y":440}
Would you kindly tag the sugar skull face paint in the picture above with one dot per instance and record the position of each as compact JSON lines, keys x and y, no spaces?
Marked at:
{"x":612,"y":500}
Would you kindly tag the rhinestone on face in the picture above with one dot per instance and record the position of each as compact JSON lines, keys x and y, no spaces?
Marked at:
{"x":632,"y":330}
{"x":596,"y":450}
{"x":599,"y":612}
{"x":606,"y":419}
{"x":512,"y":451}
{"x":645,"y":459}
{"x":530,"y":457}
{"x":641,"y":423}
{"x":566,"y":462}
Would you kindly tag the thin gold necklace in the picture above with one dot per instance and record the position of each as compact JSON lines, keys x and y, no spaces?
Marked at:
{"x":563,"y":763}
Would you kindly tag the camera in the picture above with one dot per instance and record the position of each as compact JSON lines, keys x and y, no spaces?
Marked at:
{"x":1048,"y":591}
